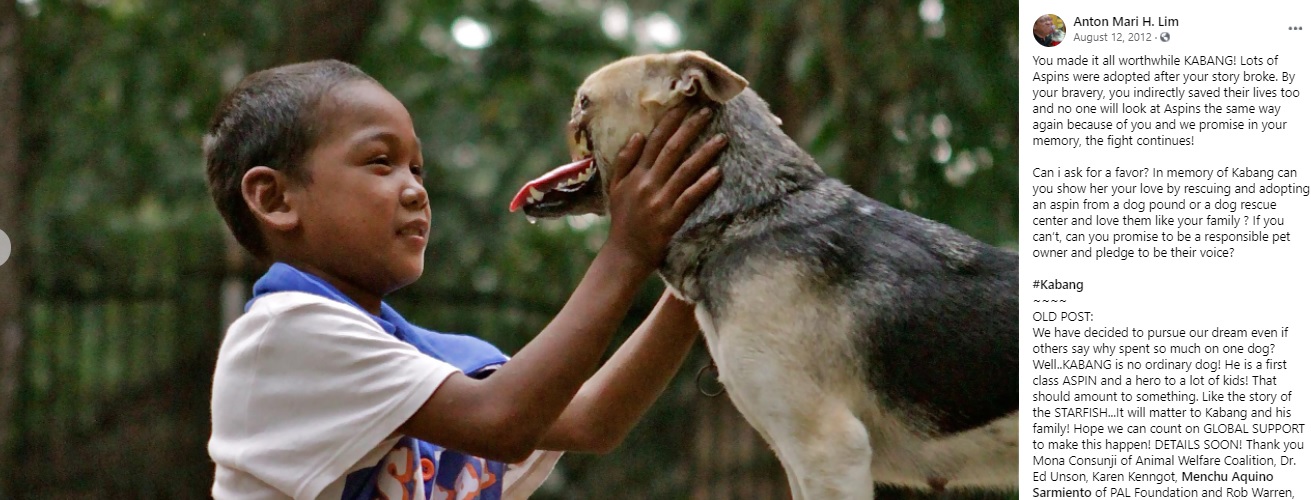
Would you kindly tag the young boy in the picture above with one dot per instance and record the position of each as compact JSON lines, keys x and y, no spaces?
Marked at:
{"x":323,"y":391}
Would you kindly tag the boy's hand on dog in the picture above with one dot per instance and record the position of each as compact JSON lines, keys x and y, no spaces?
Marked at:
{"x":651,"y":195}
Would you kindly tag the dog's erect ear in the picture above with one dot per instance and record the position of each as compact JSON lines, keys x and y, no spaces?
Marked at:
{"x":695,"y":72}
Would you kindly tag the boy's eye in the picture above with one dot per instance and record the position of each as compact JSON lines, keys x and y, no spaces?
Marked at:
{"x":417,"y":170}
{"x":380,"y":160}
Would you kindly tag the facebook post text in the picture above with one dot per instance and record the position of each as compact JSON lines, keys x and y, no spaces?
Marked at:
{"x":1166,"y":198}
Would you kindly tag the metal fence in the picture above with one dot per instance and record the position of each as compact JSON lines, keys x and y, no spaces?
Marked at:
{"x":120,"y":348}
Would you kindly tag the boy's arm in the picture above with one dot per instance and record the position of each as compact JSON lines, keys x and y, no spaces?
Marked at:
{"x":613,"y":400}
{"x":505,"y":416}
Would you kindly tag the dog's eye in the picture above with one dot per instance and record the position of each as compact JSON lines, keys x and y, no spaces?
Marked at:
{"x":584,"y":102}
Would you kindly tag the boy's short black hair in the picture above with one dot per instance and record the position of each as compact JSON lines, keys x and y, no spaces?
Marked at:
{"x":269,"y":119}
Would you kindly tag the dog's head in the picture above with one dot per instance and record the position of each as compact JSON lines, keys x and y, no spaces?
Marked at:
{"x":625,"y":97}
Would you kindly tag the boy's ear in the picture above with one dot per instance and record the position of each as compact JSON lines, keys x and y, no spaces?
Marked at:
{"x":265,"y":191}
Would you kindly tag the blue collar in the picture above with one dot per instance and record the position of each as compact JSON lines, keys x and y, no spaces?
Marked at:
{"x":469,"y":354}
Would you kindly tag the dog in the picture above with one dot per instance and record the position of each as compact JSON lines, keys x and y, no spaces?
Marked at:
{"x":867,"y":345}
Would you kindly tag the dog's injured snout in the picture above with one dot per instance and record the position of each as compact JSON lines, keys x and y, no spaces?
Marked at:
{"x":572,"y":189}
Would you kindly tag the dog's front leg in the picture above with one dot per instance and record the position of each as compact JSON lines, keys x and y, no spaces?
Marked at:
{"x":823,"y":446}
{"x":829,"y":452}
{"x":713,"y":345}
{"x":794,"y":481}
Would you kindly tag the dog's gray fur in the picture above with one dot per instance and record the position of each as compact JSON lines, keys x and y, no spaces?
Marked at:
{"x":935,"y":296}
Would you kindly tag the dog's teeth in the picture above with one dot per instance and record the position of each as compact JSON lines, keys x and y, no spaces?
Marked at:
{"x":535,"y":194}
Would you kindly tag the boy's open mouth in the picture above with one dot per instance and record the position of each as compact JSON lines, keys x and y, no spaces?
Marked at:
{"x":416,"y":228}
{"x":568,"y":189}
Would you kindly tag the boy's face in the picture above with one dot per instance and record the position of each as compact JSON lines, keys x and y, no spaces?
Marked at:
{"x":364,"y":214}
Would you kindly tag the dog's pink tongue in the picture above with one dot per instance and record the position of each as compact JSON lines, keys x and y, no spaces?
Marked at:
{"x":549,"y":181}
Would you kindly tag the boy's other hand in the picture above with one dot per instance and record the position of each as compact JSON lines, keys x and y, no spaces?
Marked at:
{"x":651,"y":195}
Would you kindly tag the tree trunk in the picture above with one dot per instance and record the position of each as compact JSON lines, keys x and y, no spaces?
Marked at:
{"x":327,"y":29}
{"x":11,"y":222}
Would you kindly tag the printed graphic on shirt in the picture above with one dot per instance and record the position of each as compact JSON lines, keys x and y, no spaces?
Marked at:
{"x":407,"y":473}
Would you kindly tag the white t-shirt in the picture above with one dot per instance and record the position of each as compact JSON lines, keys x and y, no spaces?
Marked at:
{"x":308,"y":390}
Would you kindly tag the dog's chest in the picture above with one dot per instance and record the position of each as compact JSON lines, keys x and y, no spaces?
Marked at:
{"x":766,"y":325}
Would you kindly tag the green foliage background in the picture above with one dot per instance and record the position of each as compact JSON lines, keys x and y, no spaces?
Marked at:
{"x":912,"y":102}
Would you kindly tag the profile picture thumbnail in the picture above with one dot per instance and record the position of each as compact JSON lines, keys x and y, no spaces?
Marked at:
{"x":1049,"y":30}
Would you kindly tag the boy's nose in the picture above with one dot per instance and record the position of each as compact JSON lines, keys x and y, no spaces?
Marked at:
{"x":414,"y":197}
